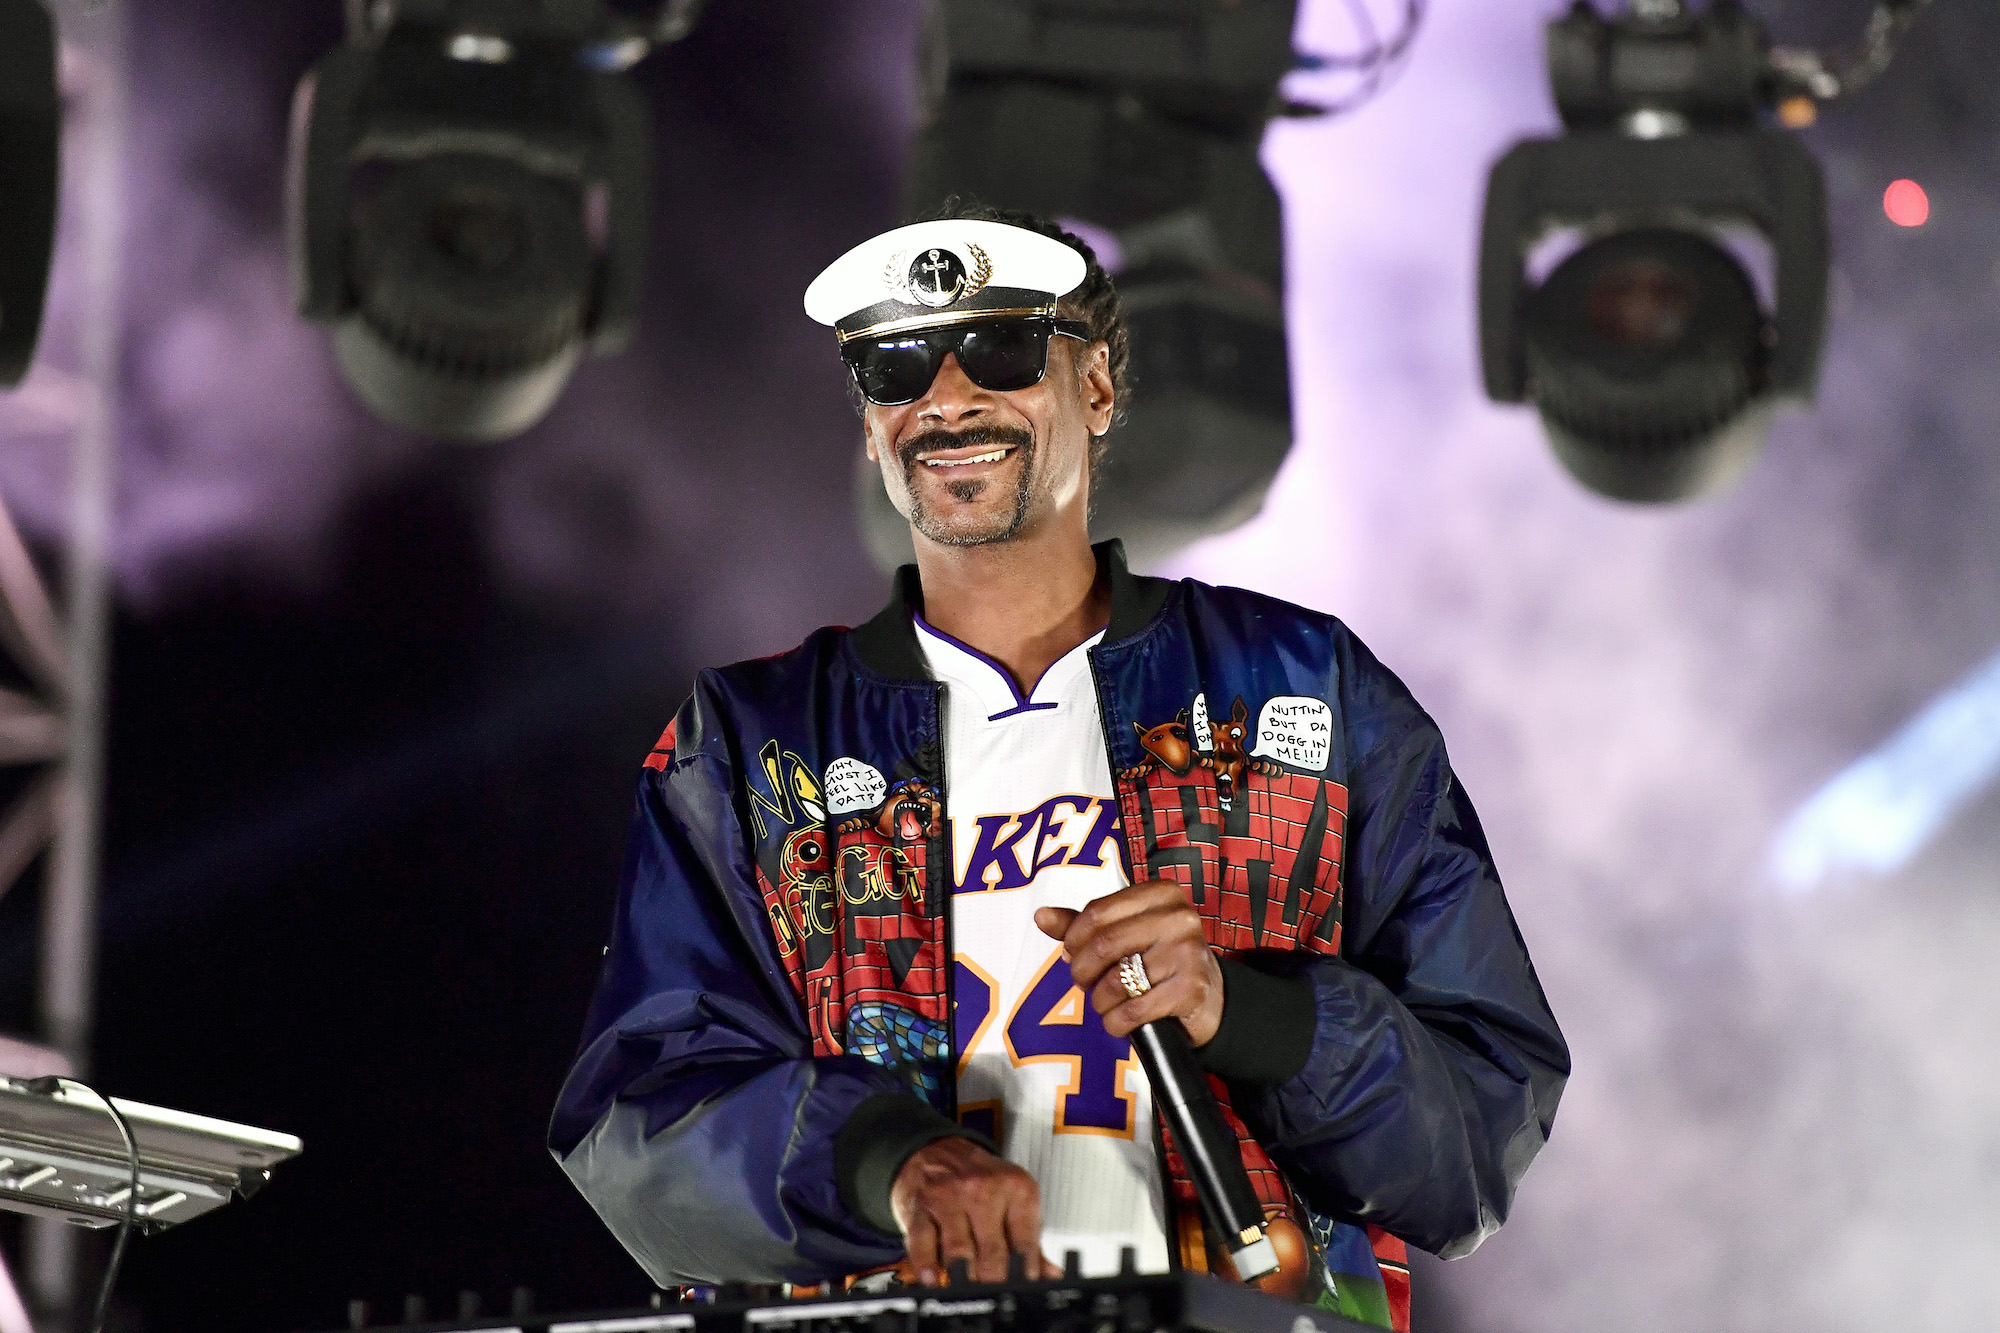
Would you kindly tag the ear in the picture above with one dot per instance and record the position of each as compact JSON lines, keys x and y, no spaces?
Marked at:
{"x":1182,"y":717}
{"x":1141,"y":730}
{"x":1239,"y":713}
{"x":1100,"y":398}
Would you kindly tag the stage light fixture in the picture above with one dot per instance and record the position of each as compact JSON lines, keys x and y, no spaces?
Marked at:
{"x":1649,"y":350}
{"x":1141,"y":121}
{"x":467,"y":201}
{"x":30,"y":150}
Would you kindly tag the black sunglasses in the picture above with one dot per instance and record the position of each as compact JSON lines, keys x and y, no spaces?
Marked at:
{"x":1000,"y":355}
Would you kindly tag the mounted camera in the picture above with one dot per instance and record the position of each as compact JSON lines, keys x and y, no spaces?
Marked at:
{"x":1651,"y":350}
{"x":467,"y":201}
{"x":30,"y":150}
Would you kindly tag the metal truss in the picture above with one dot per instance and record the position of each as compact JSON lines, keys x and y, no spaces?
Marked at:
{"x":55,"y":726}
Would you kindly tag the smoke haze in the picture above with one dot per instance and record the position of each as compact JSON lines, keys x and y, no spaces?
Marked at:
{"x":1786,"y":1111}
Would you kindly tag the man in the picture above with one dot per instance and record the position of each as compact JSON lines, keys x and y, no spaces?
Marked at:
{"x":895,"y":900}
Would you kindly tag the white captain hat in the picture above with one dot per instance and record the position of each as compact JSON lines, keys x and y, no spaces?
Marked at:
{"x":934,"y":274}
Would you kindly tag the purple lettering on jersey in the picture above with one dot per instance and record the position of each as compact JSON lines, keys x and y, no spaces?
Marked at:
{"x":992,"y":849}
{"x":971,"y":1006}
{"x":1051,"y":825}
{"x":982,"y":1118}
{"x":1053,"y":1023}
{"x":1090,"y":851}
{"x":1039,"y":834}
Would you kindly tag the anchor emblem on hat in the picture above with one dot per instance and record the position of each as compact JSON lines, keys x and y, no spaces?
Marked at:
{"x":937,"y":276}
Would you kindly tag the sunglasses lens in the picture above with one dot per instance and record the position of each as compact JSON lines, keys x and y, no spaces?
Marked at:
{"x":1002,"y":357}
{"x":1006,"y":356}
{"x":892,"y":371}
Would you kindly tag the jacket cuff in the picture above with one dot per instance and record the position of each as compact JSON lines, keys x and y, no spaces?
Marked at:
{"x":872,"y":1146}
{"x":1267,"y":1026}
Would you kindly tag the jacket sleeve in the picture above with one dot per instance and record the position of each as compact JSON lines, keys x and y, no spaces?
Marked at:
{"x":1435,"y":1064}
{"x":696,"y":1120}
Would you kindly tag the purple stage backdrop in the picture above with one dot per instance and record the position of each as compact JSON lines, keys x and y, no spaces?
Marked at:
{"x":1786,"y":1108}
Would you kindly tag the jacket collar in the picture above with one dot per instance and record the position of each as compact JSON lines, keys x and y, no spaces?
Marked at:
{"x":888,"y":644}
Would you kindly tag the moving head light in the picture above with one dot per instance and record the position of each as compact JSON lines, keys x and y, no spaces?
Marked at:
{"x":1649,"y":351}
{"x":467,"y":201}
{"x":1142,"y":120}
{"x":30,"y":126}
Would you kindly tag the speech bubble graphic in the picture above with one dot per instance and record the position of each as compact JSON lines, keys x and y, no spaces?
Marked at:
{"x":1295,"y":730}
{"x":1204,"y":739}
{"x":852,"y":785}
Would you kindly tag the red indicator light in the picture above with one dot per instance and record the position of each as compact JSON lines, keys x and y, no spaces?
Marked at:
{"x":1906,"y":204}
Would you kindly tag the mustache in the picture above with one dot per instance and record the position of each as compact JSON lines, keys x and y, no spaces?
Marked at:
{"x":971,"y":436}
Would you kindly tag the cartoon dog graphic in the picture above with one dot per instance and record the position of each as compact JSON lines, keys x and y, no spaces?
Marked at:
{"x":1169,"y":746}
{"x":910,"y":813}
{"x":1229,"y":760}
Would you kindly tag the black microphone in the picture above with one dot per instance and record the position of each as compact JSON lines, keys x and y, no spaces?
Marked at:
{"x":1207,"y":1145}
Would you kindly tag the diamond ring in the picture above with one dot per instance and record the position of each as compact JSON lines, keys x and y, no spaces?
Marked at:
{"x":1132,"y":975}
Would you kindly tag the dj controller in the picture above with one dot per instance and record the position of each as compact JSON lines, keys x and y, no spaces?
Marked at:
{"x":1129,"y":1303}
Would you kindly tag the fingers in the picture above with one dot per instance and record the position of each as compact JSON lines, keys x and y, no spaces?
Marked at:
{"x":920,"y":1239}
{"x":1155,"y":920}
{"x":1075,"y":929}
{"x":1145,"y":896}
{"x":957,"y":1203}
{"x":1054,"y":922}
{"x":1134,"y":900}
{"x":1111,"y":995}
{"x":990,"y":1247}
{"x":1024,"y":1230}
{"x":956,"y":1241}
{"x":978,"y":1237}
{"x":1167,"y":946}
{"x":1169,"y":968}
{"x":1168,"y":940}
{"x":1177,"y":995}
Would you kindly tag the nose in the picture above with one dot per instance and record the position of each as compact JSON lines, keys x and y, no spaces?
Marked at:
{"x":953,"y":397}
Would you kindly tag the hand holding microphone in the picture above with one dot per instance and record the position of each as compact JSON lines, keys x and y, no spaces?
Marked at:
{"x":1141,"y":957}
{"x":1155,"y":921}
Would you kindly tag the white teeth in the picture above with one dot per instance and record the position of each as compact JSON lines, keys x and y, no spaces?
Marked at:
{"x":993,"y":457}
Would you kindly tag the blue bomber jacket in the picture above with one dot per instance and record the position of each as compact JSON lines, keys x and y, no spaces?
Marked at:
{"x":773,"y":1028}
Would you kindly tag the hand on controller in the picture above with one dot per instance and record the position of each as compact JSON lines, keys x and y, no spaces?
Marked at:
{"x":955,"y":1200}
{"x":1156,"y":921}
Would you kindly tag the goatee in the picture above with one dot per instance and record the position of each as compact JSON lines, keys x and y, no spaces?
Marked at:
{"x":965,"y":492}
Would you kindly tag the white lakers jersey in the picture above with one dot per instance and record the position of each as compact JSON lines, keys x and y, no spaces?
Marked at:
{"x":1034,"y":823}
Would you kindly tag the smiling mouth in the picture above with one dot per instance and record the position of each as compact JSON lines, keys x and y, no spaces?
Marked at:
{"x":993,"y":456}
